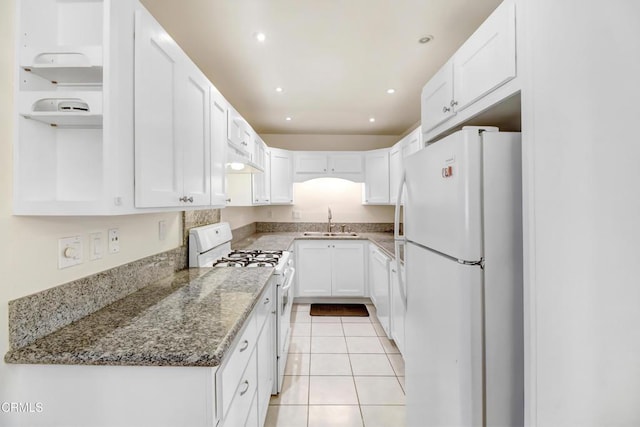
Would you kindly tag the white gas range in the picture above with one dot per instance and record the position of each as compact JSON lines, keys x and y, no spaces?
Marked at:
{"x":210,"y":246}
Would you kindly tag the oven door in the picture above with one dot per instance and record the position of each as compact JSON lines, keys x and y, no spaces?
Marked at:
{"x":285,"y":301}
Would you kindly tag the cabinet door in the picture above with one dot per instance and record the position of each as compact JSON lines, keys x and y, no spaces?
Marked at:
{"x":379,"y":285}
{"x":310,"y":163}
{"x":376,"y":182}
{"x":236,"y":132}
{"x":345,"y":164}
{"x":259,"y":180}
{"x":267,"y":177}
{"x":266,"y":366}
{"x":437,"y":97}
{"x":412,"y":143}
{"x":395,"y":172}
{"x":314,"y":268}
{"x":158,"y":151}
{"x":487,"y":59}
{"x":218,"y":148}
{"x":348,"y":264}
{"x":281,"y":177}
{"x":192,"y":119}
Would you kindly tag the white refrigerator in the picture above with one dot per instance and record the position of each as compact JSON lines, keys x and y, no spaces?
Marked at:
{"x":463,"y":260}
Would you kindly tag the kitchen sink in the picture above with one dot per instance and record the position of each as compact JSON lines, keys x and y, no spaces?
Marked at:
{"x":330,"y":234}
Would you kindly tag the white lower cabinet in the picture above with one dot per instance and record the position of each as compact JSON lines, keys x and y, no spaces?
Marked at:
{"x":398,"y":304}
{"x":331,"y":268}
{"x":245,"y":378}
{"x":379,"y":285}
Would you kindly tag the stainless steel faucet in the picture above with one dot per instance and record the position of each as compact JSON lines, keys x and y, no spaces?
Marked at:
{"x":329,"y":225}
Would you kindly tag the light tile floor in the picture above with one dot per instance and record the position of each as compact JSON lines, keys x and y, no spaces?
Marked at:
{"x":341,"y":372}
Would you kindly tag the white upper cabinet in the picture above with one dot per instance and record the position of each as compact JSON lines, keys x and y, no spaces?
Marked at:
{"x":437,"y":98}
{"x":376,"y":182}
{"x":346,"y":164}
{"x":412,"y":143}
{"x":395,"y":171}
{"x":487,"y":59}
{"x":485,"y":62}
{"x":309,"y":163}
{"x":239,"y":134}
{"x":281,"y":168}
{"x":317,"y":164}
{"x":218,"y":148}
{"x":172,"y":121}
{"x":260,"y":182}
{"x":73,"y":147}
{"x":400,"y":151}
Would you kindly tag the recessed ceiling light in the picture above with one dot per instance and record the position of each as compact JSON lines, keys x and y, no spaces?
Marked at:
{"x":372,"y":119}
{"x":288,"y":119}
{"x":278,"y":89}
{"x":261,"y":37}
{"x":425,"y":39}
{"x":390,"y":91}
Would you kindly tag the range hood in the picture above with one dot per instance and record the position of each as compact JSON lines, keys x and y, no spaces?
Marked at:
{"x":237,"y":163}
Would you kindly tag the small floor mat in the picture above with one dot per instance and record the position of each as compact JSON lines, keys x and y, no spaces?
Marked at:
{"x":355,"y":310}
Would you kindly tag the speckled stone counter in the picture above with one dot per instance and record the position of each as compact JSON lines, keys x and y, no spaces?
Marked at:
{"x":279,"y":241}
{"x":282,"y":240}
{"x":187,"y":319}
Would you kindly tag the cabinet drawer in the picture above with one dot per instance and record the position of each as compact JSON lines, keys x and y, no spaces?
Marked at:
{"x":242,"y":396}
{"x":265,"y":305}
{"x":237,"y":360}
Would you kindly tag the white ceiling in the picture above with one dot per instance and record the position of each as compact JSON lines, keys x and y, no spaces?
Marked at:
{"x":335,"y":59}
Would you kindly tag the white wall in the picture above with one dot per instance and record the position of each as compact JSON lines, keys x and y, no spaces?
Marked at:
{"x":580,"y":110}
{"x":313,"y":197}
{"x":239,"y":216}
{"x":28,"y":245}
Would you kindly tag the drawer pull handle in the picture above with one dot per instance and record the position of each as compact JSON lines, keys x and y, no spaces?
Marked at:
{"x":246,"y":388}
{"x":245,"y":345}
{"x":266,"y":301}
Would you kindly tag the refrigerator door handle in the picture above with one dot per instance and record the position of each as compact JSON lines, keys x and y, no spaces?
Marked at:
{"x":396,"y":220}
{"x":399,"y":240}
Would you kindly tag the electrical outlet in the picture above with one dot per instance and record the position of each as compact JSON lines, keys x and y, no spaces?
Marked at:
{"x":96,"y":246}
{"x":114,"y":240}
{"x":296,"y":214}
{"x":69,"y":251}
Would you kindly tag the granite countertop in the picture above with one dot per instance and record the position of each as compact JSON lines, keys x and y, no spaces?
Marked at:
{"x":282,"y":240}
{"x":188,"y":319}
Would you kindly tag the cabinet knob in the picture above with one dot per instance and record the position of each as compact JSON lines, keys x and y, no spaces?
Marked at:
{"x":227,"y":200}
{"x":190,"y":199}
{"x":324,"y":170}
{"x":266,"y":301}
{"x":182,"y":199}
{"x":454,"y":103}
{"x":446,"y":109}
{"x":245,"y":345}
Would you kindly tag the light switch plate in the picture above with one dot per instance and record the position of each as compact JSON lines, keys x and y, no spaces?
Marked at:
{"x":96,"y":246}
{"x":69,"y":251}
{"x":114,"y":240}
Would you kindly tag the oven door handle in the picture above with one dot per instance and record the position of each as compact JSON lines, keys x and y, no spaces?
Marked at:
{"x":289,"y":274}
